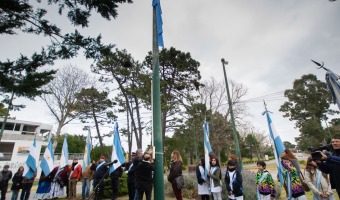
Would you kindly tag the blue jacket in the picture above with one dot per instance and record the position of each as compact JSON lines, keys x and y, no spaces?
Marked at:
{"x":237,"y":183}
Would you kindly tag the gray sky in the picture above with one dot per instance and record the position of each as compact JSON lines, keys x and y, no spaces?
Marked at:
{"x":268,"y":45}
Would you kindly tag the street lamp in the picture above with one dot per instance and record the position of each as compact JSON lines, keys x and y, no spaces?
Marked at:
{"x":237,"y":147}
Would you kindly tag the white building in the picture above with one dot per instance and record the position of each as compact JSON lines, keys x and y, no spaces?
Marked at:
{"x":17,"y":139}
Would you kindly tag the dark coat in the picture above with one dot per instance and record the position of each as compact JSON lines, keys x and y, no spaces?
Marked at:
{"x":175,"y":171}
{"x":6,"y":176}
{"x":144,"y":176}
{"x":199,"y":177}
{"x":332,"y":167}
{"x":101,"y":172}
{"x":237,"y":183}
{"x":17,"y":181}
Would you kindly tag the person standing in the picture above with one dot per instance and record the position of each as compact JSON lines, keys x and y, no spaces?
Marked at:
{"x":86,"y":180}
{"x":144,"y":172}
{"x":6,"y":175}
{"x":115,"y":176}
{"x":131,"y":177}
{"x":175,"y":171}
{"x":44,"y":186}
{"x":292,"y":180}
{"x":331,"y":164}
{"x":101,"y":172}
{"x":233,"y":181}
{"x":74,"y":177}
{"x":317,"y":181}
{"x":202,"y":182}
{"x":265,"y":186}
{"x":60,"y":179}
{"x":17,"y":181}
{"x":215,"y":179}
{"x":26,"y":187}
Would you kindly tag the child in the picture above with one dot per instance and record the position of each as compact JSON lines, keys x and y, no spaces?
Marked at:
{"x":264,"y":182}
{"x":293,"y":183}
{"x":215,"y":179}
{"x":233,"y":182}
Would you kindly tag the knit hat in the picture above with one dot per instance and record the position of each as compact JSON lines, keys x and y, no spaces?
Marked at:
{"x":6,"y":166}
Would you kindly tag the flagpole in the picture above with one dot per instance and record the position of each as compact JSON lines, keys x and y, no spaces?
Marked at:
{"x":237,"y":146}
{"x":156,"y":116}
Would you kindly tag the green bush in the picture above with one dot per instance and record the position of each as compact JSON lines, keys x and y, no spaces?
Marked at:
{"x":123,"y":189}
{"x":303,"y":162}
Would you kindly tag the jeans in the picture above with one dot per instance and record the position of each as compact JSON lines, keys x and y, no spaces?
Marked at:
{"x":15,"y":194}
{"x":3,"y":192}
{"x":85,"y":190}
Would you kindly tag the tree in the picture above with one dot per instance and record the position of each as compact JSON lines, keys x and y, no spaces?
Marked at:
{"x":252,"y":146}
{"x":179,"y":77}
{"x":3,"y":110}
{"x":289,"y":145}
{"x":94,"y":105}
{"x":24,"y":77}
{"x":308,"y":103}
{"x":61,"y":96}
{"x":309,"y":99}
{"x":76,"y":143}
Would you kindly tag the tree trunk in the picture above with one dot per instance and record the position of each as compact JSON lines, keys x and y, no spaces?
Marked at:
{"x":98,"y":133}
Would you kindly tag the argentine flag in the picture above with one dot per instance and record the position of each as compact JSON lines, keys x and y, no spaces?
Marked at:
{"x":207,"y":148}
{"x":64,"y":154}
{"x":278,"y":146}
{"x":47,"y":162}
{"x":333,"y":83}
{"x":117,"y":150}
{"x":30,"y":167}
{"x":88,"y":149}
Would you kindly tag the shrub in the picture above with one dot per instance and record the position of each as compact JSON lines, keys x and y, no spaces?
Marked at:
{"x":123,"y":190}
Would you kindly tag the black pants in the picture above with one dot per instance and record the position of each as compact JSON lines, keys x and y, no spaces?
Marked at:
{"x":131,"y":190}
{"x":114,"y":187}
{"x":3,"y":192}
{"x":140,"y":193}
{"x":98,"y":187}
{"x":204,"y":197}
{"x":26,"y":191}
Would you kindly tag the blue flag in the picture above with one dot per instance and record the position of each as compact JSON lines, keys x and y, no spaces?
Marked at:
{"x":278,"y":147}
{"x":47,"y":162}
{"x":64,"y":154}
{"x":157,"y":5}
{"x":333,"y":84}
{"x":207,"y":149}
{"x":30,"y":167}
{"x":117,"y":150}
{"x":88,"y":149}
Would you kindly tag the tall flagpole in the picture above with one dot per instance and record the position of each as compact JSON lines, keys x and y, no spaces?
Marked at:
{"x":156,"y":116}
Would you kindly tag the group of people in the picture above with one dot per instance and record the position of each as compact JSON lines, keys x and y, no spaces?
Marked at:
{"x":320,"y":176}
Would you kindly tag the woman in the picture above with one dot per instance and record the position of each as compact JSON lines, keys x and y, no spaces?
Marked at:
{"x":215,"y":179}
{"x":17,"y":180}
{"x":203,"y":186}
{"x":175,"y":171}
{"x":318,"y":182}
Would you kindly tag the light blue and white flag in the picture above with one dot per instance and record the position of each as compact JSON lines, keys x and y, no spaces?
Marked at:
{"x":117,"y":150}
{"x":157,"y":4}
{"x":88,"y":149}
{"x":30,"y":167}
{"x":47,"y":162}
{"x":207,"y":149}
{"x":64,"y":154}
{"x":278,"y":146}
{"x":333,"y":83}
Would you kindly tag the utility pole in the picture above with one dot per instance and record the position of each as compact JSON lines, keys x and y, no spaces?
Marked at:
{"x":156,"y":116}
{"x":237,"y":146}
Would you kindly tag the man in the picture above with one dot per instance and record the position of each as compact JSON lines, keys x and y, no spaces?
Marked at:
{"x":131,"y":177}
{"x":144,"y":171}
{"x":74,"y":177}
{"x":86,"y":179}
{"x":101,"y":172}
{"x":6,"y":175}
{"x":115,"y":176}
{"x":136,"y":161}
{"x":331,"y":164}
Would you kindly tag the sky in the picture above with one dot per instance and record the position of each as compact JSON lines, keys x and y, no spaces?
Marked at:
{"x":268,"y":44}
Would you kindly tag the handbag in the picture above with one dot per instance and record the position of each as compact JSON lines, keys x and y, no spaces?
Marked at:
{"x":303,"y":181}
{"x":180,"y":182}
